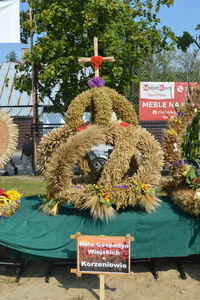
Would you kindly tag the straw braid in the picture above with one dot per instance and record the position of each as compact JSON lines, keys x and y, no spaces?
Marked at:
{"x":8,"y":137}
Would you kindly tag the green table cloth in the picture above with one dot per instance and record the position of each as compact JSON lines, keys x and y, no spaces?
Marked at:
{"x":167,"y":232}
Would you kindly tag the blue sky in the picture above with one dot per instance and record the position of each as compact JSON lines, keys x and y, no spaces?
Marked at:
{"x":183,"y":16}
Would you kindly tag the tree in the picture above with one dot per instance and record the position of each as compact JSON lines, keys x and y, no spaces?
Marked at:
{"x":11,"y":57}
{"x":126,"y":30}
{"x":188,"y":64}
{"x":184,"y":41}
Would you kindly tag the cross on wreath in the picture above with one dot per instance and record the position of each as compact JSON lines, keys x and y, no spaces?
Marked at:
{"x":96,"y":60}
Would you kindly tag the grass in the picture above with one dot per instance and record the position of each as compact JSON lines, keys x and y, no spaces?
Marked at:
{"x":28,"y":186}
{"x":33,"y":185}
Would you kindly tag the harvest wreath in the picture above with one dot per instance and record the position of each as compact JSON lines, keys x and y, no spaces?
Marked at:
{"x":123,"y":180}
{"x":183,"y":186}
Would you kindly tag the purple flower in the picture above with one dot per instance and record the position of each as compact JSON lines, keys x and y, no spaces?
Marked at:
{"x":180,"y":113}
{"x":78,"y":186}
{"x":122,"y":186}
{"x":96,"y":82}
{"x":175,"y":165}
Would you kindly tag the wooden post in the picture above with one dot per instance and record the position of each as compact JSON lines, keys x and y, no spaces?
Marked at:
{"x":33,"y":97}
{"x":102,"y":286}
{"x":96,"y":72}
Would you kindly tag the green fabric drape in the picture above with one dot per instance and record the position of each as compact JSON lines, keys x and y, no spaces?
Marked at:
{"x":167,"y":232}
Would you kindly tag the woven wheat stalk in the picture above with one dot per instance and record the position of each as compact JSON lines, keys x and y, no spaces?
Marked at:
{"x":179,"y":191}
{"x":124,"y":180}
{"x":8,"y":137}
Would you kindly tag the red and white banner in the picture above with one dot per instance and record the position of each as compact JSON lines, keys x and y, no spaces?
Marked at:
{"x":158,"y":98}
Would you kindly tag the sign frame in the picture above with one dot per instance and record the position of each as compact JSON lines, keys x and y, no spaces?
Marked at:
{"x":78,"y":235}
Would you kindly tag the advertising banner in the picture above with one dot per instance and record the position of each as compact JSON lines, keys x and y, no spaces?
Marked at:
{"x":97,"y":254}
{"x":157,"y":99}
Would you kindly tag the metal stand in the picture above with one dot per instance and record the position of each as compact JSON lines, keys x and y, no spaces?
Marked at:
{"x":52,"y":264}
{"x":49,"y":272}
{"x":21,"y":270}
{"x":21,"y":265}
{"x":150,"y":262}
{"x":151,"y":266}
{"x":180,"y":268}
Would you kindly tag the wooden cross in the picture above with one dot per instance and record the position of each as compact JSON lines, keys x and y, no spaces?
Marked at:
{"x":88,"y":59}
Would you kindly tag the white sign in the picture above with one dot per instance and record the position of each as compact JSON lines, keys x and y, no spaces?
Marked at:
{"x":157,"y":90}
{"x":9,"y":21}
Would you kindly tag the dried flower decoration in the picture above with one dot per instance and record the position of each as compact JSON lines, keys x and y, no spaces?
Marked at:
{"x":96,"y":82}
{"x":9,"y":202}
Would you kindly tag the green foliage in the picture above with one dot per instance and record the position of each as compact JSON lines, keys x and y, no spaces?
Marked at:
{"x":198,"y":27}
{"x":11,"y":57}
{"x":184,"y":41}
{"x":126,"y":30}
{"x":190,"y":176}
{"x":191,"y":144}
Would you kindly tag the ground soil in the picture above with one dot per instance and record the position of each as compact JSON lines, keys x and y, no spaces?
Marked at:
{"x":64,"y":285}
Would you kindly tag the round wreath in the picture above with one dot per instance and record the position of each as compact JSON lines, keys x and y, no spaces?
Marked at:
{"x":8,"y":137}
{"x":183,"y":186}
{"x":123,"y":180}
{"x":119,"y":183}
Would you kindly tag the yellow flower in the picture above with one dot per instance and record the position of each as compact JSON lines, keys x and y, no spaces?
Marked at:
{"x":145,"y":188}
{"x":187,"y":169}
{"x":171,"y":132}
{"x":13,"y":195}
{"x":135,"y":182}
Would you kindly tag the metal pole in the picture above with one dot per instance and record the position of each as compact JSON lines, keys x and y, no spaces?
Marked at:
{"x":33,"y":97}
